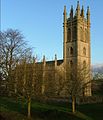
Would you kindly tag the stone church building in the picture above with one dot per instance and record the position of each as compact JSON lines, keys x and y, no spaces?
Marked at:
{"x":76,"y":46}
{"x":76,"y":51}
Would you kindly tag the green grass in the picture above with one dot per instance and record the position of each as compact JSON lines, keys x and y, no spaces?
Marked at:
{"x":11,"y":115}
{"x":95,"y":111}
{"x":11,"y":110}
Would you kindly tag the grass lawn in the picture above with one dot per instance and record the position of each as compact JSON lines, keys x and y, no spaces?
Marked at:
{"x":12,"y":110}
{"x":95,"y":111}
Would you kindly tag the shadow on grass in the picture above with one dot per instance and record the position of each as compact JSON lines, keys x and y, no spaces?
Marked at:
{"x":10,"y":104}
{"x":95,"y":111}
{"x":41,"y":111}
{"x":54,"y":115}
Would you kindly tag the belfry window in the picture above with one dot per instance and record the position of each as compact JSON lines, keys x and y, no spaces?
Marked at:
{"x":71,"y":63}
{"x":85,"y":35}
{"x":84,"y":64}
{"x":71,"y":51}
{"x":84,"y":51}
{"x":81,"y":33}
{"x":69,"y":35}
{"x":74,"y":33}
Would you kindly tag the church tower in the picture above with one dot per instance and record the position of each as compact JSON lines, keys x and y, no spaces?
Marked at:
{"x":76,"y":45}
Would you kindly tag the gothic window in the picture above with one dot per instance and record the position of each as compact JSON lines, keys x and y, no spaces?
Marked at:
{"x":84,"y":64}
{"x":71,"y":63}
{"x":86,"y":35}
{"x":74,"y":33}
{"x":84,"y":51}
{"x":69,"y":34}
{"x":71,"y":51}
{"x":81,"y":33}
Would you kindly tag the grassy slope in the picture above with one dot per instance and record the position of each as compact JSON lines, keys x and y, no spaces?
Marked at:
{"x":95,"y":111}
{"x":42,"y":111}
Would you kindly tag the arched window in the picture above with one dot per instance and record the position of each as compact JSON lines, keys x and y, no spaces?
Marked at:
{"x":71,"y":51}
{"x":81,"y":33}
{"x":69,"y":35}
{"x":84,"y":51}
{"x":74,"y":33}
{"x":71,"y":63}
{"x":85,"y":37}
{"x":84,"y":64}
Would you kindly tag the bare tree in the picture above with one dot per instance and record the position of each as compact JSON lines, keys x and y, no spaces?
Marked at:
{"x":60,"y":80}
{"x":28,"y":81}
{"x":78,"y":83}
{"x":98,"y":76}
{"x":13,"y":49}
{"x":97,"y":83}
{"x":49,"y":83}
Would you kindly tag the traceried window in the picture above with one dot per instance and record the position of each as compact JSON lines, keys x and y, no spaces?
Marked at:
{"x":81,"y":33}
{"x":84,"y":51}
{"x":71,"y":63}
{"x":86,"y":35}
{"x":71,"y":51}
{"x":74,"y":33}
{"x":69,"y":35}
{"x":84,"y":64}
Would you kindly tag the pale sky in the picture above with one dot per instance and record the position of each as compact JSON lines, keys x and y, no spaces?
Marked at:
{"x":41,"y":22}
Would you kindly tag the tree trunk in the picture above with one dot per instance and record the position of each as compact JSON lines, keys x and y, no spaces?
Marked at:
{"x":73,"y":104}
{"x":22,"y":101}
{"x":29,"y":106}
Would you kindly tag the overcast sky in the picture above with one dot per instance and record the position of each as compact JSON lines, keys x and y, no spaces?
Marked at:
{"x":41,"y":22}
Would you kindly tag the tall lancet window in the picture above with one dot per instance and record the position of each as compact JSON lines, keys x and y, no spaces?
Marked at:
{"x":84,"y":64}
{"x":71,"y":51}
{"x":74,"y":35}
{"x":81,"y":34}
{"x":85,"y":35}
{"x":84,"y":51}
{"x":71,"y":63}
{"x":69,"y":34}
